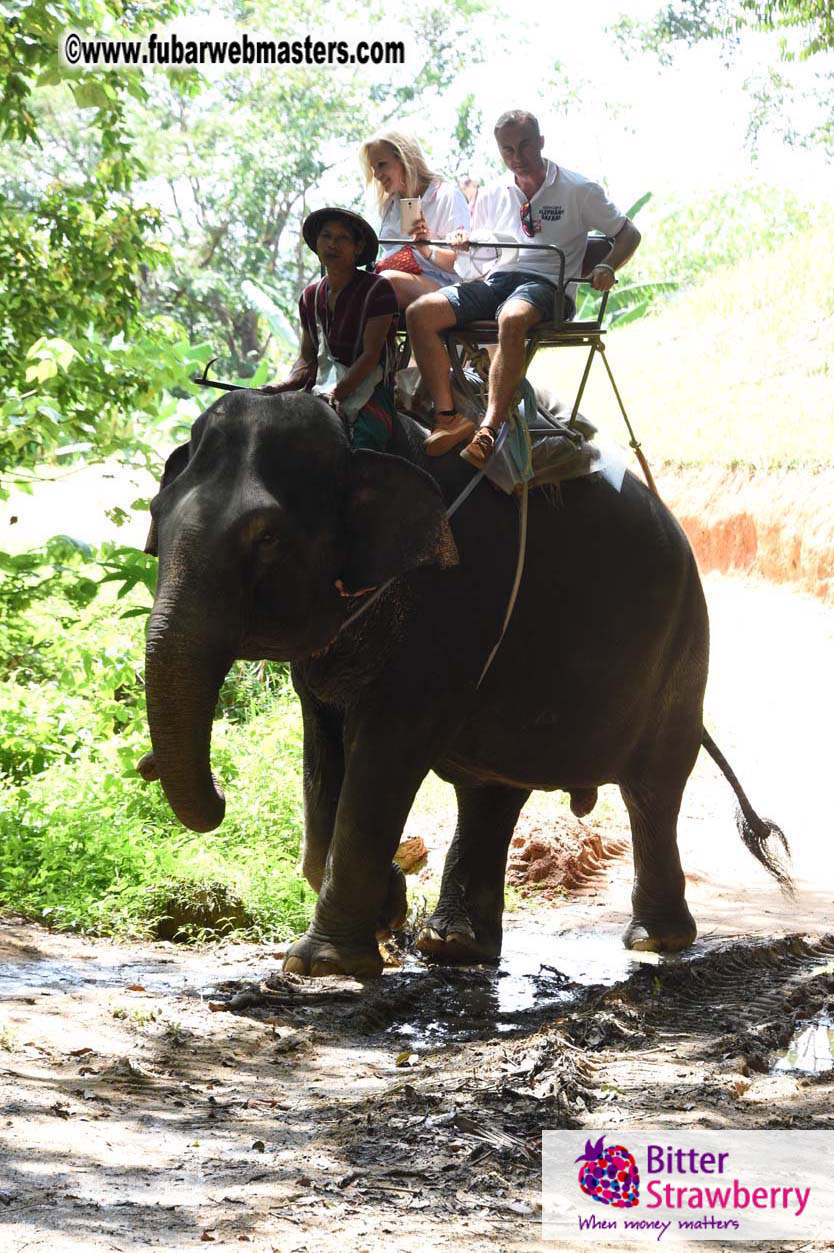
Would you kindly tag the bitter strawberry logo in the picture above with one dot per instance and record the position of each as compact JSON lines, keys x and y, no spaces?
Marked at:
{"x":609,"y":1175}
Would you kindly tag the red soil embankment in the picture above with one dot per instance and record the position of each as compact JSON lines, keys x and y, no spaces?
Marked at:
{"x":778,"y":525}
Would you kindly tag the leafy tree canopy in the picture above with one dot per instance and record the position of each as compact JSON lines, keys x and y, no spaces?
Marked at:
{"x":691,"y":21}
{"x":230,"y":163}
{"x":78,"y":360}
{"x":248,"y":157}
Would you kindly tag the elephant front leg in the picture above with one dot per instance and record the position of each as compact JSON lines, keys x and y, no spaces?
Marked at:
{"x":324,"y":773}
{"x":660,"y":919}
{"x":467,"y":925}
{"x":360,"y":893}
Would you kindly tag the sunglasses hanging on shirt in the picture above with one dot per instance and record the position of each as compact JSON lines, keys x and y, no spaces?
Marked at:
{"x":527,"y":223}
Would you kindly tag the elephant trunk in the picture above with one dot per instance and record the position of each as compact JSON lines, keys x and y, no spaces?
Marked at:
{"x":183,"y":675}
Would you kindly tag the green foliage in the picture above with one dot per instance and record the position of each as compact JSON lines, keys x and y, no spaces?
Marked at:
{"x":468,"y":127}
{"x":244,"y":163}
{"x":130,"y":568}
{"x":626,"y":303}
{"x":630,"y":299}
{"x":83,"y":841}
{"x":26,"y":580}
{"x":693,"y":21}
{"x":721,"y":377}
{"x":29,"y":59}
{"x":685,"y":241}
{"x":776,"y":98}
{"x":79,"y":363}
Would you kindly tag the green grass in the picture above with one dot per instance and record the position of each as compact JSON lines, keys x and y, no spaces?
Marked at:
{"x":85,"y":844}
{"x":736,"y":369}
{"x":82,"y":845}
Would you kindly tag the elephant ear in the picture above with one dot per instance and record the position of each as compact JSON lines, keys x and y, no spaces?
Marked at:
{"x":174,"y":466}
{"x":395,"y":520}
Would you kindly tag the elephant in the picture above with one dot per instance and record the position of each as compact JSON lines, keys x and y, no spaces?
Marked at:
{"x":270,"y":529}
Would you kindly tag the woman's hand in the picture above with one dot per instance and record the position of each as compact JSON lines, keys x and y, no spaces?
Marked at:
{"x":420,"y":234}
{"x":459,"y":240}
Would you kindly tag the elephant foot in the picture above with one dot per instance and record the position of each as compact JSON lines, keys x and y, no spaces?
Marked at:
{"x":312,"y":955}
{"x":667,"y":935}
{"x":451,"y":938}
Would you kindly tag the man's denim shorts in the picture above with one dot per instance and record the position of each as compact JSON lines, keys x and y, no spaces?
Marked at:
{"x":483,"y":299}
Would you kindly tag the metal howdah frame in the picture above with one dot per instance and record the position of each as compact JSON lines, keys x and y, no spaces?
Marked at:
{"x":556,"y":333}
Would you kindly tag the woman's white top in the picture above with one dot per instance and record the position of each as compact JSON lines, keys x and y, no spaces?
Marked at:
{"x":445,"y":209}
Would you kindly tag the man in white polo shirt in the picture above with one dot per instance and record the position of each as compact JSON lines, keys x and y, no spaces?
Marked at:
{"x":538,"y":202}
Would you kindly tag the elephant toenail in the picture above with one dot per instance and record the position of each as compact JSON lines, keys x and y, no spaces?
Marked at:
{"x":325,"y":966}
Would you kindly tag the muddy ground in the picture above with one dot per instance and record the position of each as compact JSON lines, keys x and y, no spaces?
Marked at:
{"x":157,"y":1097}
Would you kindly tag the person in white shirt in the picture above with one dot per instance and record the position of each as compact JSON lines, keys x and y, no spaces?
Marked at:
{"x":394,"y":163}
{"x":538,"y":201}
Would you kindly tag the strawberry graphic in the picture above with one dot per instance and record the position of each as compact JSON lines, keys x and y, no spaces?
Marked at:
{"x":609,"y":1175}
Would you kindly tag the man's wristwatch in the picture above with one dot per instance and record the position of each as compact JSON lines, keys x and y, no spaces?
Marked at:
{"x":603,"y":265}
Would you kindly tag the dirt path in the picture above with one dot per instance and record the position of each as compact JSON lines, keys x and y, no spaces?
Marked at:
{"x":154,"y":1097}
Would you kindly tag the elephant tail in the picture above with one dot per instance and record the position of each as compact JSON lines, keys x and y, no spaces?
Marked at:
{"x":755,"y":832}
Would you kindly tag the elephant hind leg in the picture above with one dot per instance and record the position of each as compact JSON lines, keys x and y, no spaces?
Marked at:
{"x":466,"y":925}
{"x":660,"y":921}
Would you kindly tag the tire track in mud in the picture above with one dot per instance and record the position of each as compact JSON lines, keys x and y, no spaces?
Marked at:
{"x":737,"y":987}
{"x":741,"y":985}
{"x":471,"y":1111}
{"x":695,"y":1042}
{"x":312,"y":1125}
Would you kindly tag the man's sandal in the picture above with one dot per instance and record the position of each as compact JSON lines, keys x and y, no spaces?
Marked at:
{"x":450,"y":429}
{"x":479,"y":451}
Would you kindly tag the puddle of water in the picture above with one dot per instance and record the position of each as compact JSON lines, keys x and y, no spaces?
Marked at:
{"x":537,"y":970}
{"x":811,"y":1050}
{"x":46,"y":976}
{"x":535,"y":963}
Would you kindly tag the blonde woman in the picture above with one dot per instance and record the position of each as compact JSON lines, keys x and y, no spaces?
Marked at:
{"x":395,"y":165}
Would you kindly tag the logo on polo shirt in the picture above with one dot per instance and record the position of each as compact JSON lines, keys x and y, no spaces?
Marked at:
{"x":551,"y":213}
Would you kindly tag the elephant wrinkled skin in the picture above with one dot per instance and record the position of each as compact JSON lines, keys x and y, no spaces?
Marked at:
{"x":600,"y":677}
